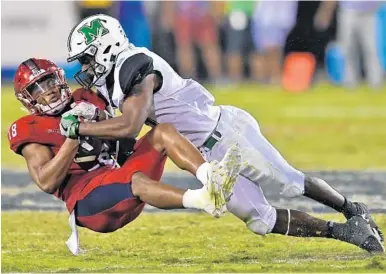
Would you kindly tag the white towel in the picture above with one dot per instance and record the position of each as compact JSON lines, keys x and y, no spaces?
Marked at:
{"x":73,"y":242}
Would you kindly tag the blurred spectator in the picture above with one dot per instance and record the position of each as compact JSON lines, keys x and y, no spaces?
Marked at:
{"x":162,"y":25}
{"x":90,"y":7}
{"x":356,"y":27}
{"x":133,"y":19}
{"x":272,"y":21}
{"x":194,"y":24}
{"x":238,"y":37}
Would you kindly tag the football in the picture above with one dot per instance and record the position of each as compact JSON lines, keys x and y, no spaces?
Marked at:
{"x":88,"y":152}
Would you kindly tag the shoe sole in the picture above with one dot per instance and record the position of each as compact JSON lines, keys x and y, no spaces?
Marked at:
{"x":231,"y":164}
{"x":373,"y":245}
{"x":228,"y":169}
{"x":372,"y":224}
{"x":366,"y":215}
{"x":215,"y":193}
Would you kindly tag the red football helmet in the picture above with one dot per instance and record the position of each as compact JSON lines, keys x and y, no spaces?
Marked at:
{"x":37,"y":76}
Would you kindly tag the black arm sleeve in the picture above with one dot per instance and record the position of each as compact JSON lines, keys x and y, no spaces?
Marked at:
{"x":134,"y":69}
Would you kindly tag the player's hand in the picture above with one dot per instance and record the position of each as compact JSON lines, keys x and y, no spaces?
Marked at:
{"x":86,"y":110}
{"x":69,"y":126}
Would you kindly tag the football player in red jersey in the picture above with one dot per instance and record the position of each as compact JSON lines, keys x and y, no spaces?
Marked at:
{"x":105,"y":198}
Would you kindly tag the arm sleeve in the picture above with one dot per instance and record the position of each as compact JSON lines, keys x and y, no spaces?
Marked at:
{"x":134,"y":69}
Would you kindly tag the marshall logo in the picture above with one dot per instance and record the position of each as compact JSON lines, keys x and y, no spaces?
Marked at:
{"x":92,"y":30}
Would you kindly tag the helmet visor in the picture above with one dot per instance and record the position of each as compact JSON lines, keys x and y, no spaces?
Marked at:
{"x":89,"y":74}
{"x":49,"y":94}
{"x":49,"y":82}
{"x":91,"y":71}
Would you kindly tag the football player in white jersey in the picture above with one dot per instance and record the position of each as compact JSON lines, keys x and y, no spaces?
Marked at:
{"x":146,"y":89}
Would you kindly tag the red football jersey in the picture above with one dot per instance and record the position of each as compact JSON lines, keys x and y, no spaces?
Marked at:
{"x":44,"y":130}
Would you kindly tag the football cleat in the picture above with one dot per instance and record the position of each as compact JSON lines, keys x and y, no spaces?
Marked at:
{"x":360,"y":209}
{"x":357,"y":231}
{"x":224,"y":175}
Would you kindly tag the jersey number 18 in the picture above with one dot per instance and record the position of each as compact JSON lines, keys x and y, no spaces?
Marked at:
{"x":12,"y":132}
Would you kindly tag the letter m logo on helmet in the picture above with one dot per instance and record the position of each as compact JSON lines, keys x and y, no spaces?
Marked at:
{"x":92,"y":31}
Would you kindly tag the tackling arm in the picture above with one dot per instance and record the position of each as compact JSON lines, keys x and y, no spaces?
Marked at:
{"x":49,"y":171}
{"x":135,"y":109}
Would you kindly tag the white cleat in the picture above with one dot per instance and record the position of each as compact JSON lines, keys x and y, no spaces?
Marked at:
{"x":224,"y":175}
{"x":211,"y":194}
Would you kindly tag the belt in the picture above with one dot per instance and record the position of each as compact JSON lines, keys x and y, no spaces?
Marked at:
{"x":212,"y":140}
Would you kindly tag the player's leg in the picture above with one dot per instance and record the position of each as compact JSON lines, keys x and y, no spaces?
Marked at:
{"x":294,"y":182}
{"x":113,"y":199}
{"x":169,"y":197}
{"x":314,"y":188}
{"x":249,"y":204}
{"x":256,"y":147}
{"x":105,"y":206}
{"x":145,"y":168}
{"x":356,"y":231}
{"x":117,"y":196}
{"x":267,"y":164}
{"x":319,"y":190}
{"x":167,"y":140}
{"x":218,"y":179}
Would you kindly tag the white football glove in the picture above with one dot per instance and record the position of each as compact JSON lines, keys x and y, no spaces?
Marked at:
{"x":84,"y":109}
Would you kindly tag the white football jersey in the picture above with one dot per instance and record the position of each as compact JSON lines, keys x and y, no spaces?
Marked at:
{"x":183,"y":103}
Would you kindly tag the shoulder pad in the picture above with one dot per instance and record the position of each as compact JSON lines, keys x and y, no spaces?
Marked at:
{"x":133,"y":70}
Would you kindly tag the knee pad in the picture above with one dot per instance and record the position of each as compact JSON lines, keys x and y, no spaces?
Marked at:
{"x":259,"y":227}
{"x":262,"y":226}
{"x":292,"y":189}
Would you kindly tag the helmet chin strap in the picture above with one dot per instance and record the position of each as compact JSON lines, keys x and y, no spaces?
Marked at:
{"x":101,"y":81}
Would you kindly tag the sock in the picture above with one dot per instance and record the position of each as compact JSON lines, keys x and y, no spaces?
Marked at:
{"x":330,"y":225}
{"x":340,"y":232}
{"x":202,"y":173}
{"x":193,"y":198}
{"x":349,"y":209}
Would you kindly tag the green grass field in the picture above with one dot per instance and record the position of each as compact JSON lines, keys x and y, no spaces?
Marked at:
{"x":326,"y":128}
{"x":174,"y":242}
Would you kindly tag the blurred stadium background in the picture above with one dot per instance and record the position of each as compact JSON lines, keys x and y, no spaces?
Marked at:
{"x":291,"y":75}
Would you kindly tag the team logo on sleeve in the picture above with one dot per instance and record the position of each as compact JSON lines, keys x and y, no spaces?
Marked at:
{"x":93,"y":30}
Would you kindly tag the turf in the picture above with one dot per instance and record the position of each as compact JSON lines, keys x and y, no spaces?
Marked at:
{"x":325,"y":128}
{"x":173,"y":242}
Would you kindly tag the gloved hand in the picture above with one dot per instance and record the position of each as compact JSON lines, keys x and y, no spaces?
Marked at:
{"x":69,"y":126}
{"x":86,"y":110}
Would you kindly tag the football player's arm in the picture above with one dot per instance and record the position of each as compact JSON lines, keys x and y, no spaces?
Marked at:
{"x":49,"y":171}
{"x":135,"y":109}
